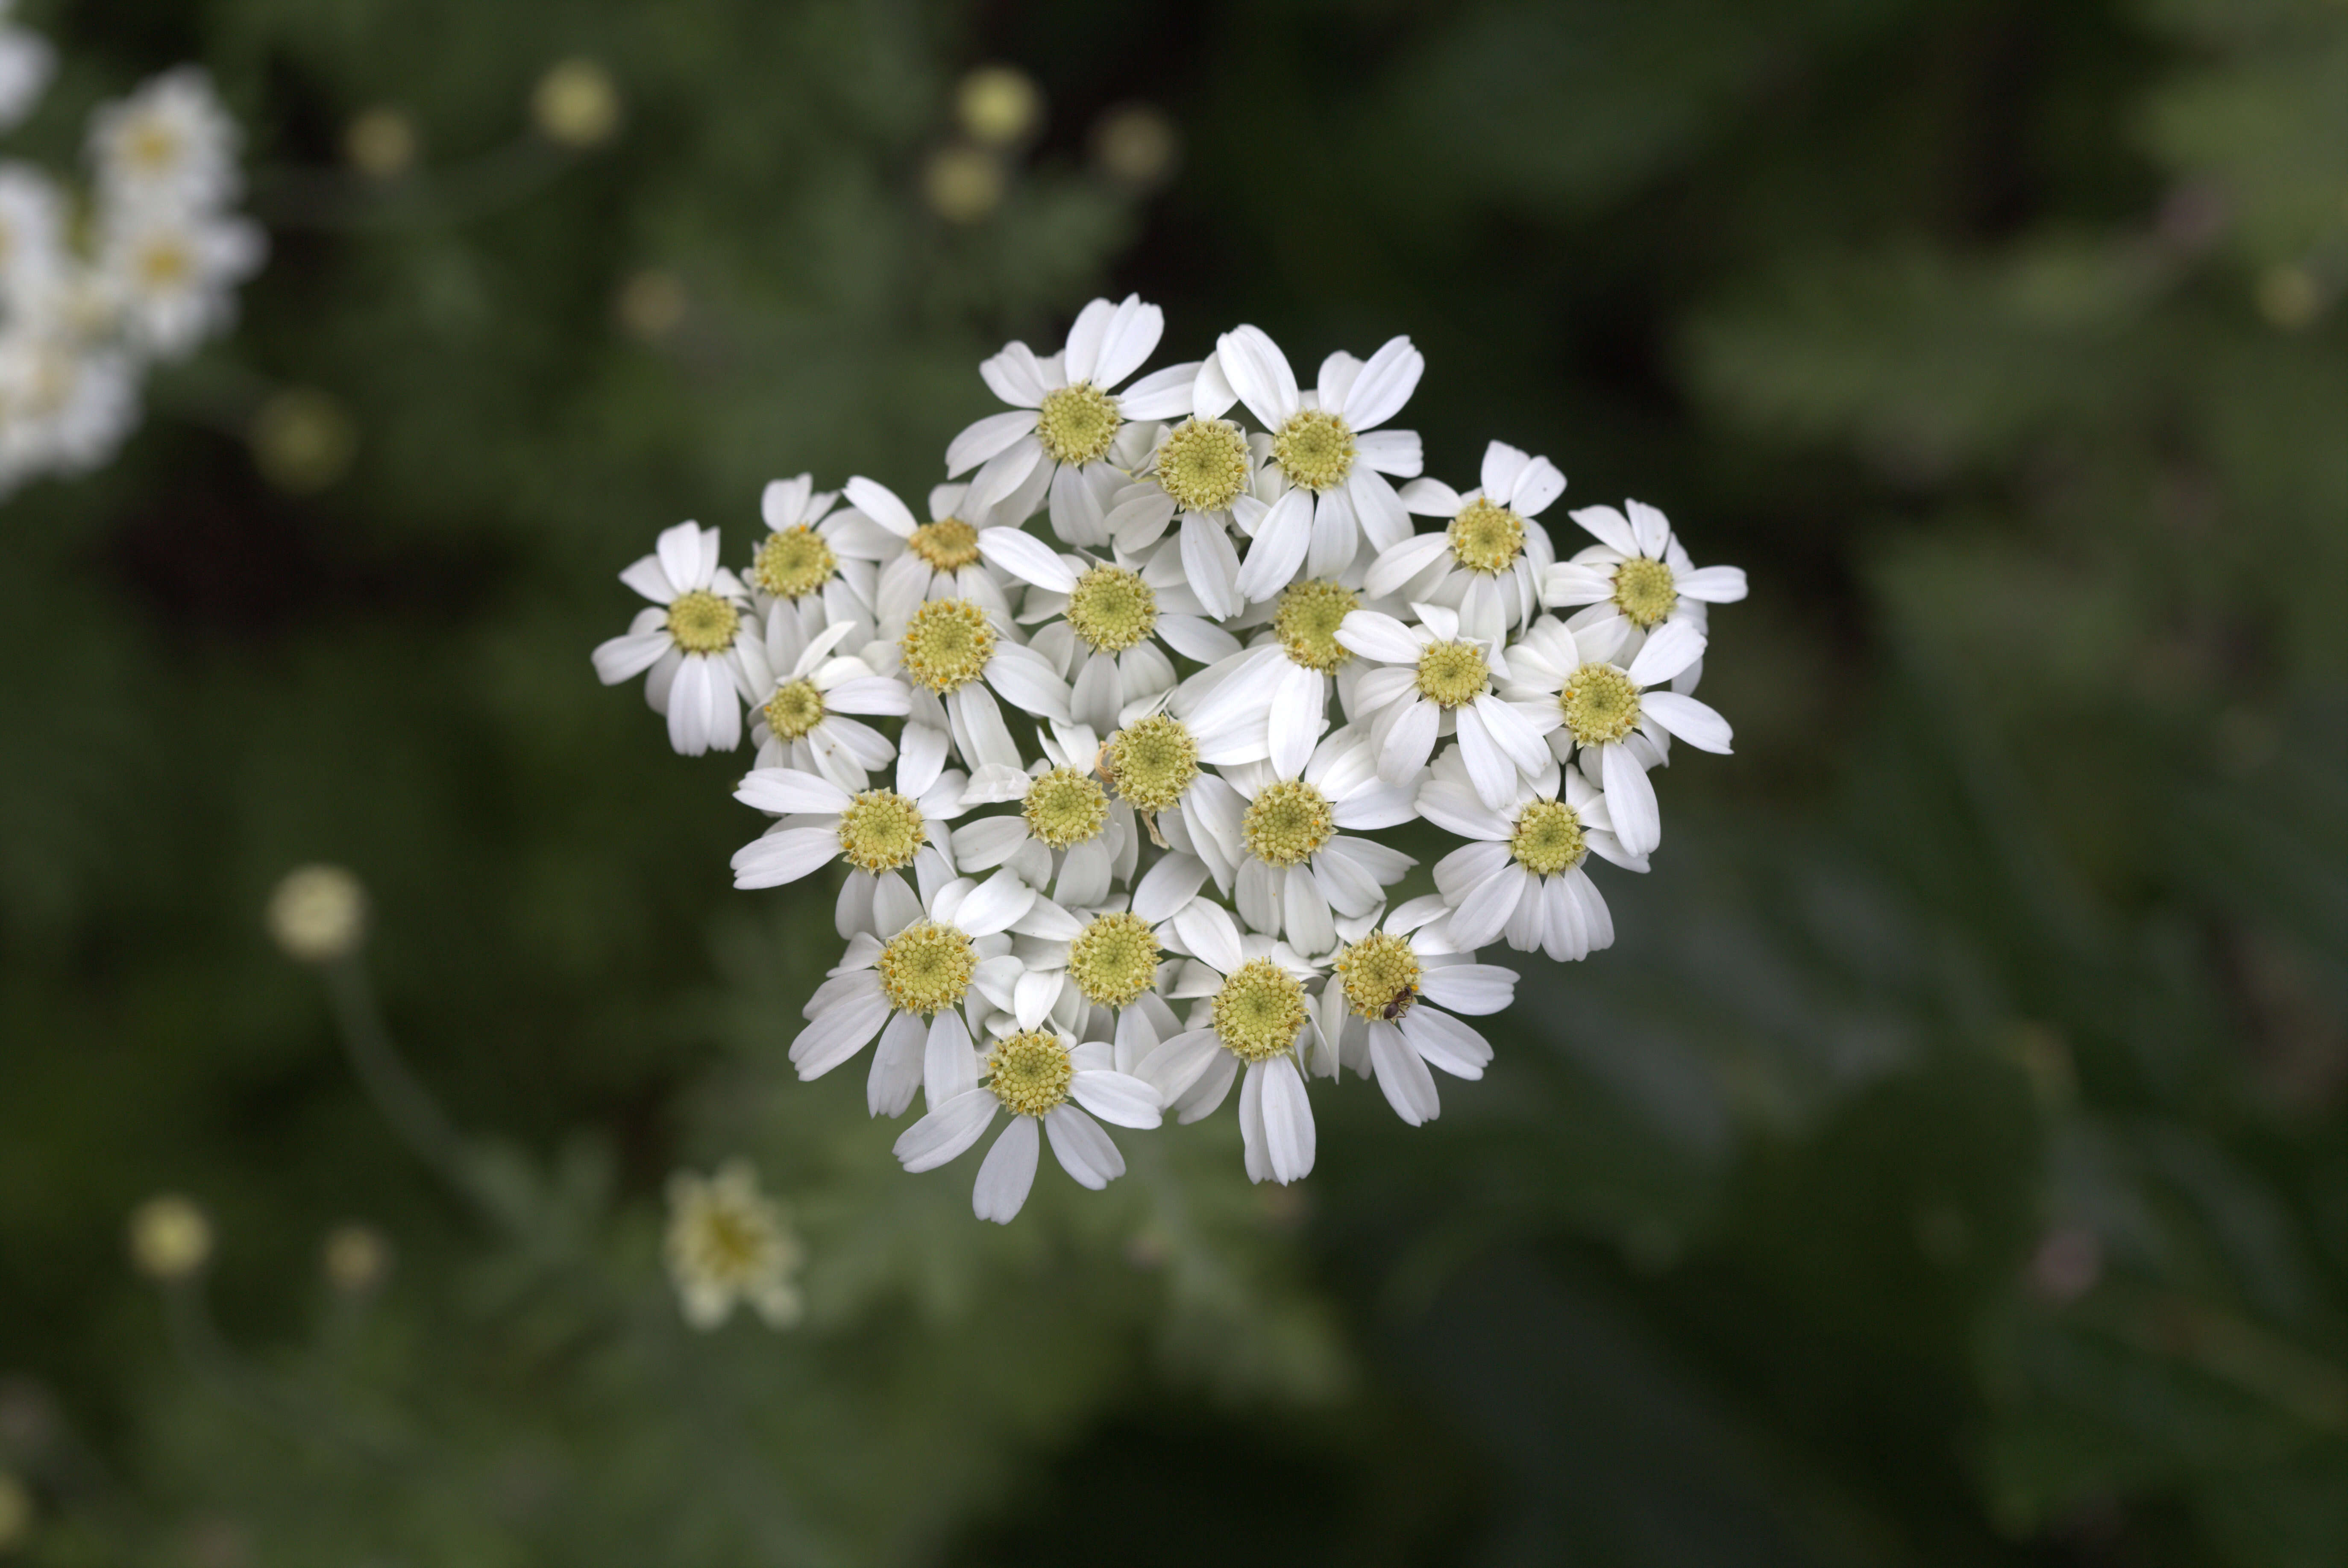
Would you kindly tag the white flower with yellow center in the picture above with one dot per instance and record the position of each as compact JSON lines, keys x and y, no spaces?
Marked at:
{"x":949,"y":653}
{"x":171,"y":275}
{"x":1112,"y":617}
{"x":1039,"y":1077}
{"x":728,"y":1242}
{"x":1208,"y":473}
{"x":1488,"y":560}
{"x":65,"y":407}
{"x":168,"y":145}
{"x":1154,"y":765}
{"x":1438,"y":681}
{"x":876,"y":832}
{"x":1089,"y":971}
{"x":1066,"y":416}
{"x":1385,"y":1005}
{"x":1069,"y":834}
{"x":688,"y":641}
{"x":963,"y":552}
{"x":27,"y":63}
{"x":1522,"y":878}
{"x":1254,"y":1019}
{"x":1298,"y":868}
{"x":804,"y":721}
{"x":1271,"y":700}
{"x":1638,"y":573}
{"x":816,"y":559}
{"x":915,"y":981}
{"x":1610,"y":719}
{"x":1328,"y":448}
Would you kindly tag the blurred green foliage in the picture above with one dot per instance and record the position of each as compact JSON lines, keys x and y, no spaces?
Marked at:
{"x":1947,"y":1164}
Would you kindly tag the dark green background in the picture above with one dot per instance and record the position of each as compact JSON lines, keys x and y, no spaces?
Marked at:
{"x":1998,"y":341}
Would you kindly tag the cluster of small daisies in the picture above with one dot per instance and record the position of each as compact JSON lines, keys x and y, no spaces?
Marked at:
{"x":95,"y":287}
{"x":1102,"y":734}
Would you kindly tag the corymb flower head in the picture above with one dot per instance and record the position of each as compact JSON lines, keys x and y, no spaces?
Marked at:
{"x":1102,"y":751}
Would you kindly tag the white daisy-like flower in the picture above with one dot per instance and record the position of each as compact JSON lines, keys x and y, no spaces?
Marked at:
{"x":1488,"y":562}
{"x":1208,"y":473}
{"x":1639,"y":571}
{"x":950,"y":652}
{"x":688,"y":640}
{"x":1522,"y":878}
{"x":1438,"y":681}
{"x":170,"y":144}
{"x":65,"y":406}
{"x":1066,"y":416}
{"x":1068,"y":835}
{"x":1272,"y":699}
{"x":728,"y":1242}
{"x":1383,"y":1006}
{"x":914,"y":984}
{"x":1298,"y":869}
{"x":1254,"y":1020}
{"x":804,"y":721}
{"x":1039,"y":1075}
{"x":1153,"y":765}
{"x":810,"y":562}
{"x":1328,"y":450}
{"x":1610,"y":718}
{"x":28,"y":61}
{"x":33,"y":260}
{"x":877,"y":831}
{"x":1112,"y":617}
{"x":963,"y":552}
{"x":1089,"y":971}
{"x":171,"y":275}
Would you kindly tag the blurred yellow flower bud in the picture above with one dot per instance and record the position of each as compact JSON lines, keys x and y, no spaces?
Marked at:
{"x":380,"y":143}
{"x":1136,"y":145}
{"x":303,"y":440}
{"x":170,"y":1238}
{"x":964,"y":184}
{"x":998,"y":105}
{"x":652,"y":304}
{"x":2289,"y":297}
{"x":356,"y":1259}
{"x":576,"y":104}
{"x":318,"y":914}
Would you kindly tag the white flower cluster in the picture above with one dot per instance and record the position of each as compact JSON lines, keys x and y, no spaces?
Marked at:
{"x":1118,"y":853}
{"x":92,"y":294}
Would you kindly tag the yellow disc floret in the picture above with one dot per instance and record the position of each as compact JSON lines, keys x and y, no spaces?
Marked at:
{"x":1203,"y":464}
{"x":1114,"y":959}
{"x":926,"y":967}
{"x":794,"y":564}
{"x":1450,"y":674}
{"x":1078,"y":424}
{"x":1381,"y":977}
{"x":702,"y":623}
{"x":1030,"y":1072}
{"x":1601,"y":704}
{"x":1066,"y":807}
{"x":948,"y":545}
{"x":1645,"y":591}
{"x":1112,"y":609}
{"x":1287,"y":822}
{"x":1486,"y":537}
{"x":1307,"y":620}
{"x":1314,"y":448}
{"x":794,"y":709}
{"x":1259,"y":1011}
{"x":1151,"y":762}
{"x":881,"y":830}
{"x":1547,"y":838}
{"x":947,"y":644}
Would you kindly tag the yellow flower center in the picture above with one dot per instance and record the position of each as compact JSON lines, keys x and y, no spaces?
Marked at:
{"x":1381,"y":977}
{"x":1486,"y":537}
{"x":1114,"y":959}
{"x":726,"y":1244}
{"x":1066,"y":807}
{"x":1645,"y":591}
{"x":926,"y":967}
{"x":1151,"y":762}
{"x":1203,"y":464}
{"x":1287,"y":822}
{"x":794,"y":564}
{"x":1547,"y":838}
{"x":702,"y":623}
{"x":1306,"y":624}
{"x":1599,"y":703}
{"x":881,"y":830}
{"x":165,"y":264}
{"x":1112,"y":609}
{"x":152,"y":146}
{"x":794,"y":709}
{"x":947,"y":644}
{"x":1452,"y":673}
{"x":1314,"y":448}
{"x":1078,"y":424}
{"x":1030,"y":1072}
{"x":948,"y":545}
{"x":1259,"y":1011}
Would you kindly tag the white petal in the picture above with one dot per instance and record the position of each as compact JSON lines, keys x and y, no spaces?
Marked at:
{"x":1211,"y":565}
{"x":949,"y":1066}
{"x":1687,"y":719}
{"x":1713,"y":584}
{"x":1482,"y":914}
{"x":1375,"y":634}
{"x":1287,"y":1121}
{"x":1631,"y":801}
{"x":1207,"y":931}
{"x":785,"y":856}
{"x":680,"y":552}
{"x":1008,"y":1171}
{"x":841,"y":1033}
{"x":1259,"y":372}
{"x":1014,"y":376}
{"x":1028,"y":558}
{"x":878,"y":502}
{"x":1278,"y":549}
{"x":1082,"y":1148}
{"x":1132,"y":337}
{"x":787,"y":792}
{"x":1447,"y":1043}
{"x":948,"y":1129}
{"x":1384,"y":386}
{"x":1669,"y":649}
{"x":1167,"y":886}
{"x":1119,"y":1098}
{"x":1409,"y":1087}
{"x":1394,"y":567}
{"x":995,"y":905}
{"x":1161,"y":394}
